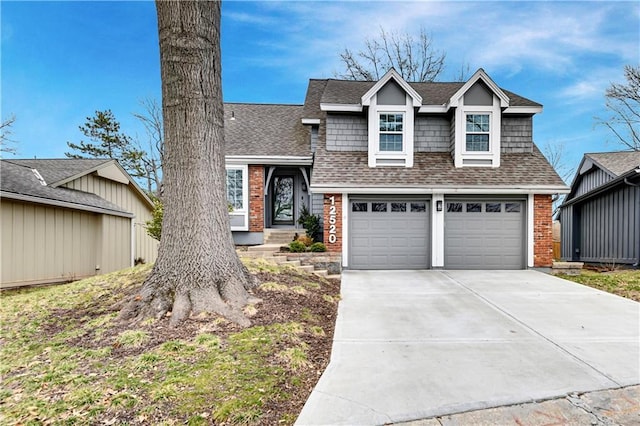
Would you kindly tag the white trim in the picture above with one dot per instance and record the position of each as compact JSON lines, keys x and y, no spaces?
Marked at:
{"x":63,"y":204}
{"x":374,"y":153}
{"x":268,"y":160}
{"x":341,"y":107}
{"x":523,"y":110}
{"x":268,"y":181}
{"x":245,"y":196}
{"x":507,"y":190}
{"x":345,"y":229}
{"x":306,"y":178}
{"x":495,"y":134}
{"x":457,"y":97}
{"x":433,"y":109}
{"x":437,"y":232}
{"x":310,"y":120}
{"x":530,"y":228}
{"x":416,"y":99}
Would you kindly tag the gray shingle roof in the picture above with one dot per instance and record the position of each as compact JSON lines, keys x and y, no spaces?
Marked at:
{"x":59,"y":169}
{"x":312,"y":101}
{"x":618,"y":163}
{"x":263,"y":129}
{"x":350,"y":92}
{"x":350,"y":169}
{"x":18,"y":179}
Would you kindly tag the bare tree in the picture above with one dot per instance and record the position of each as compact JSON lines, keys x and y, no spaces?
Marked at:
{"x":414,"y":59}
{"x":6,"y":143}
{"x":555,"y":152}
{"x":197,"y":269}
{"x":153,"y":148}
{"x":623,"y":101}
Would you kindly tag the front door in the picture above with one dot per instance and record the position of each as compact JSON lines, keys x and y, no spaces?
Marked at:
{"x":283,"y":207}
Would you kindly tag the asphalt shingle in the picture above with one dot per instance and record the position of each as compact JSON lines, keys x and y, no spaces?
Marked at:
{"x":58,"y":169}
{"x":617,"y":163}
{"x":265,"y":129}
{"x":17,"y":177}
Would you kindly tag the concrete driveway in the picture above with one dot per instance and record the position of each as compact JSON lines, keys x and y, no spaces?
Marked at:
{"x":419,"y":344}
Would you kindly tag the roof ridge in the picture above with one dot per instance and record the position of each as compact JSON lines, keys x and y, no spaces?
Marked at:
{"x":263,"y":104}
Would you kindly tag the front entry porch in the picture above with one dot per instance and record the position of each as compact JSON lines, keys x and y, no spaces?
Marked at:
{"x":286,"y":192}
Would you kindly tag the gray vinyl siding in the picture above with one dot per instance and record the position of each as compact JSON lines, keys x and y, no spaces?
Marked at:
{"x":566,"y":233}
{"x":317,"y":207}
{"x":432,"y":134}
{"x":604,"y":229}
{"x":452,"y":135}
{"x":347,"y":133}
{"x":517,"y":134}
{"x":591,"y":180}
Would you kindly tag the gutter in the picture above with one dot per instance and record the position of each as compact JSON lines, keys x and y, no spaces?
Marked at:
{"x":442,"y":189}
{"x":270,"y":159}
{"x":63,"y":204}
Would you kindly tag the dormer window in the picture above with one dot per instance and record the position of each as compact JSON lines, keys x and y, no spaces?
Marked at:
{"x":391,"y":133}
{"x":478,"y":132}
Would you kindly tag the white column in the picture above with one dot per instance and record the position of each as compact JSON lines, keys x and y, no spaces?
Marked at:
{"x":437,"y":229}
{"x":345,"y":229}
{"x":530,"y":236}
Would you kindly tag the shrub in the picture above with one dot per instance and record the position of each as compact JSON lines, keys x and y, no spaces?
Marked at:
{"x":154,"y":226}
{"x":306,"y":240}
{"x":310,"y":222}
{"x":297,"y":247}
{"x":318,"y":247}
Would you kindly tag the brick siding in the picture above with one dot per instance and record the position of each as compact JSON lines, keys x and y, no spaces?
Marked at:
{"x":256,"y":198}
{"x":542,"y":231}
{"x":335,"y":246}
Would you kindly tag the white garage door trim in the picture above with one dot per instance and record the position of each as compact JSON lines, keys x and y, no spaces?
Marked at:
{"x":485,"y":233}
{"x":377,"y":224}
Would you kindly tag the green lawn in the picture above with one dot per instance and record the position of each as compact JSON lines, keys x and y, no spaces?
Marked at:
{"x":66,"y":360}
{"x":622,"y":283}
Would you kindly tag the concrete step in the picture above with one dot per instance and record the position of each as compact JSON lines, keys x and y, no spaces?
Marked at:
{"x":306,"y":268}
{"x":321,"y":272}
{"x":334,"y":277}
{"x":279,"y":259}
{"x":265,"y":247}
{"x":291,"y":263}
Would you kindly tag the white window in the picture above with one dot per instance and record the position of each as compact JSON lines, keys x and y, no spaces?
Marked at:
{"x":391,"y":132}
{"x":238,"y":196}
{"x":477,"y":132}
{"x":235,"y":186}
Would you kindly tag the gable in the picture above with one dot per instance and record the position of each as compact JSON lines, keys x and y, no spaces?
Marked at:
{"x":478,"y":94}
{"x":391,"y":94}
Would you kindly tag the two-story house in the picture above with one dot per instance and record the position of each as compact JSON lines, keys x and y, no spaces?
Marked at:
{"x":404,"y":175}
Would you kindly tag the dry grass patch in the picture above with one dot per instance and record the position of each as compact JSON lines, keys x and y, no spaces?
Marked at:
{"x":621,"y":283}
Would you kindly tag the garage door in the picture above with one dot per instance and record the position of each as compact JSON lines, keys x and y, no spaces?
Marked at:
{"x":484,"y":234}
{"x":389,"y":234}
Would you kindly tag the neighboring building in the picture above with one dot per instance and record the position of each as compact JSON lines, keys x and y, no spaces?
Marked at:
{"x":67,"y":219}
{"x":404,"y":175}
{"x":601,"y":215}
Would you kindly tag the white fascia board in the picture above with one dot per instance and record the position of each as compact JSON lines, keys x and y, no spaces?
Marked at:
{"x":443,"y":190}
{"x":341,"y":107}
{"x":310,"y":120}
{"x":480,"y":75}
{"x":523,"y":110}
{"x":433,"y":109}
{"x":268,"y":160}
{"x":392,"y":74}
{"x":64,"y":204}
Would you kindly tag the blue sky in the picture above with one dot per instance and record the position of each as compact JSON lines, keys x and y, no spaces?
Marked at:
{"x":62,"y":61}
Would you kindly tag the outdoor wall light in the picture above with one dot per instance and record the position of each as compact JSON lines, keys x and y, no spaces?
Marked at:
{"x":439,"y":205}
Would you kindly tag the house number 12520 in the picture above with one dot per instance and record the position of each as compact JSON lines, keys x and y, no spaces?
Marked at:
{"x":332,"y":220}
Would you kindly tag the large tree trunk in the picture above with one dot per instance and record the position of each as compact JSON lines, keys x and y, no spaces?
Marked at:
{"x":197,"y":267}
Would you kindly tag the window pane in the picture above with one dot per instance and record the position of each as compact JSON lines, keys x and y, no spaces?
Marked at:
{"x":418,"y":207}
{"x":234,"y":188}
{"x":454,"y":207}
{"x":477,"y":142}
{"x":390,"y":142}
{"x":474,"y":207}
{"x":390,"y":122}
{"x":512,"y":207}
{"x":359,"y":207}
{"x":398,"y":207}
{"x":378,"y":207}
{"x":477,"y":123}
{"x":492,"y":207}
